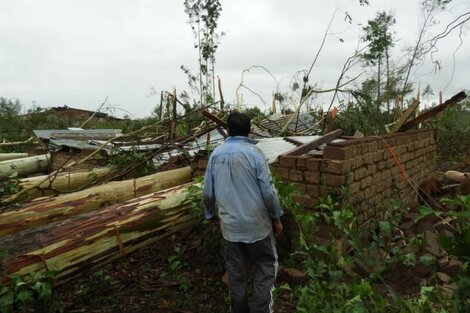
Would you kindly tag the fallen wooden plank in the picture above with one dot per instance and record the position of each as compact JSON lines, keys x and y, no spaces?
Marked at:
{"x":45,"y":210}
{"x":432,"y":112}
{"x":25,"y":166}
{"x":314,"y":143}
{"x":86,"y":242}
{"x":405,"y":116}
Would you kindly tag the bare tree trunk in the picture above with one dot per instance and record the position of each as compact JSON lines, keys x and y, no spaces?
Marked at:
{"x":41,"y":186}
{"x":25,"y":166}
{"x":12,"y":156}
{"x":45,"y":210}
{"x":86,"y":242}
{"x":378,"y":85}
{"x":387,"y":84}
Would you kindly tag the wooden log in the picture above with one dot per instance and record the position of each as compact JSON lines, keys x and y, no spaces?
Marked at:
{"x":45,"y":210}
{"x":12,"y":156}
{"x":25,"y":166}
{"x":456,"y":176}
{"x":87,"y":242}
{"x":41,"y":186}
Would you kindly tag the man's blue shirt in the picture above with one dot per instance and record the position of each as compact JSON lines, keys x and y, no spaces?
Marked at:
{"x":238,"y":180}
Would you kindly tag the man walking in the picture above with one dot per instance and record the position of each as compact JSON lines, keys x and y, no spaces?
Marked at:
{"x":238,"y":180}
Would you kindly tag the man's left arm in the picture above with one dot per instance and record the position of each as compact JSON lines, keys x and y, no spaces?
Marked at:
{"x":208,"y":192}
{"x":269,"y":193}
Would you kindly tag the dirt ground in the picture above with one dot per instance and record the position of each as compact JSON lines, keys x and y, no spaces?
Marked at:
{"x":181,"y":274}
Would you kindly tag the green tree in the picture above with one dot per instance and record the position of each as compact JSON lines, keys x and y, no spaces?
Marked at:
{"x":9,"y":119}
{"x":379,"y":41}
{"x":203,"y":16}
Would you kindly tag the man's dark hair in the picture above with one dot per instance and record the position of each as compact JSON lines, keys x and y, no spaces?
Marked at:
{"x":239,"y":124}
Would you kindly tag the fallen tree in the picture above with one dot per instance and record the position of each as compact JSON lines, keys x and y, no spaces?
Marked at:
{"x":40,"y":186}
{"x":24,"y":166}
{"x":86,"y":242}
{"x":12,"y":156}
{"x":45,"y":210}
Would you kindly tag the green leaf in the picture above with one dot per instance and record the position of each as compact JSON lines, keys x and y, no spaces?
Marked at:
{"x":363,"y":289}
{"x":24,"y":296}
{"x":425,"y":211}
{"x":427,"y":260}
{"x":409,"y":259}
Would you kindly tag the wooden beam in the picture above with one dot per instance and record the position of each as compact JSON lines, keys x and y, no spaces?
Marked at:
{"x":295,"y":142}
{"x":214,"y":118}
{"x":405,"y":116}
{"x":315,"y":143}
{"x":432,"y":112}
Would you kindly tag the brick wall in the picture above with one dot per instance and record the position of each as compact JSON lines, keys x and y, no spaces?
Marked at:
{"x":362,"y":166}
{"x":367,"y":170}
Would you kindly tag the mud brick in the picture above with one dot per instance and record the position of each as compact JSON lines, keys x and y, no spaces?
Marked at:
{"x":366,"y":182}
{"x":306,"y":201}
{"x":314,"y":164}
{"x":359,"y":149}
{"x":391,"y":141}
{"x":371,"y":169}
{"x":202,"y":163}
{"x":373,"y":146}
{"x":302,"y":188}
{"x":198,"y":173}
{"x":354,"y":187}
{"x":336,"y":167}
{"x":402,"y":150}
{"x":312,"y":177}
{"x":378,"y":156}
{"x":282,"y":171}
{"x":381,"y":165}
{"x":295,"y":175}
{"x":288,"y":161}
{"x":330,"y":191}
{"x":395,"y":170}
{"x":359,"y":173}
{"x":334,"y":180}
{"x":338,"y":153}
{"x":359,"y":162}
{"x":302,"y":161}
{"x":368,"y":158}
{"x":313,"y":190}
{"x":401,"y":140}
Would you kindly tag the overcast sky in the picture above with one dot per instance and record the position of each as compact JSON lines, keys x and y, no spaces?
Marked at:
{"x":77,"y":52}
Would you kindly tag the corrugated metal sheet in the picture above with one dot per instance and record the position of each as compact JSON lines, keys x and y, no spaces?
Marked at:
{"x":82,"y":135}
{"x":303,"y":124}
